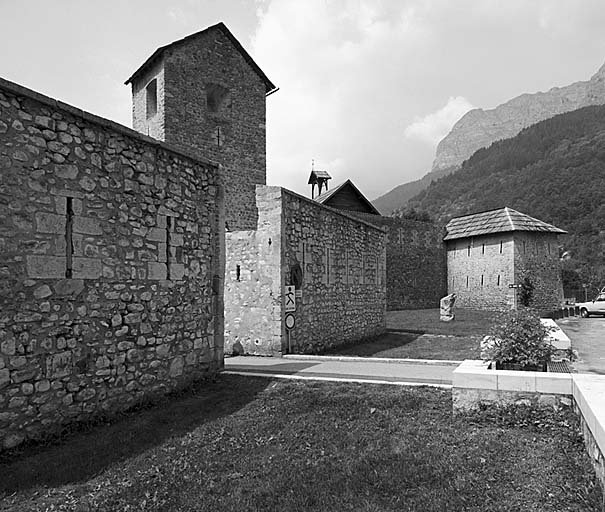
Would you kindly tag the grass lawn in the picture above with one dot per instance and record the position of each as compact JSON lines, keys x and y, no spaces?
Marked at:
{"x":255,"y":444}
{"x":468,"y":322}
{"x":423,"y":336}
{"x":414,"y":346}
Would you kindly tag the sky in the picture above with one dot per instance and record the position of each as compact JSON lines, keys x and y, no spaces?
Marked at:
{"x":367,"y":88}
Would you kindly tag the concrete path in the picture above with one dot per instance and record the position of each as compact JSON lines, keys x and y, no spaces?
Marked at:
{"x":403,"y":372}
{"x":588,"y":339}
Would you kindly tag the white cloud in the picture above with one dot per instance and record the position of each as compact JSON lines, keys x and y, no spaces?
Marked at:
{"x":358,"y":77}
{"x":436,"y":125}
{"x":178,"y":16}
{"x":337,"y":104}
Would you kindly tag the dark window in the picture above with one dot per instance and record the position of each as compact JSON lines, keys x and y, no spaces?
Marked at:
{"x":467,"y":281}
{"x":500,"y":246}
{"x":481,"y":279}
{"x":483,"y":249}
{"x":498,"y":279}
{"x":151,"y":92}
{"x":218,"y":98}
{"x":468,"y":250}
{"x":237,"y":272}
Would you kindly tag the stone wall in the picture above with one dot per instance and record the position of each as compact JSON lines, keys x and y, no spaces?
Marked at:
{"x":213,"y":102}
{"x":109,"y":247}
{"x":343,"y":262}
{"x":416,"y":262}
{"x":537,"y":258}
{"x":144,"y":121}
{"x":342,"y":259}
{"x":254,"y":281}
{"x":416,"y":265}
{"x":480,"y":270}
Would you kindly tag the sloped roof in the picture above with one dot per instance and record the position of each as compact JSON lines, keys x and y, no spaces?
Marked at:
{"x":495,"y":221}
{"x":325,"y":197}
{"x":315,"y":175}
{"x":269,"y":87}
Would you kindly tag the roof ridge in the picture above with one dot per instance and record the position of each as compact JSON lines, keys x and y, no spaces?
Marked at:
{"x":269,"y":86}
{"x":510,"y":219}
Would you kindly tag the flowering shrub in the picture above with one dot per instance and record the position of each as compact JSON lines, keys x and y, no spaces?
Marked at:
{"x":519,"y":338}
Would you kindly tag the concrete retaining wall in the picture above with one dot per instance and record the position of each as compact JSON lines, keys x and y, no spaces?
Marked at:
{"x":474,"y":385}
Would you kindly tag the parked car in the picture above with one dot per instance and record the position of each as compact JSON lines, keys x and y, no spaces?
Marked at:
{"x":593,"y":307}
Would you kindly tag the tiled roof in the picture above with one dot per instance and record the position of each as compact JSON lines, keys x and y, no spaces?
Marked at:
{"x":323,"y":198}
{"x":318,"y":174}
{"x":495,"y":221}
{"x":269,"y":87}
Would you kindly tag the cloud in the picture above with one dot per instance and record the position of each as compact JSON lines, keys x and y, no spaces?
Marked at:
{"x":339,"y":97}
{"x":177,"y":15}
{"x":360,"y":79}
{"x":436,"y":125}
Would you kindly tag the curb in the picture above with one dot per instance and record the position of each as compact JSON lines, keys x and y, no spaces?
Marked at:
{"x":334,"y":379}
{"x":354,"y":359}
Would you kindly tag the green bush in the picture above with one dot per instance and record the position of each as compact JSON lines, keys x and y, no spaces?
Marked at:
{"x":519,"y":338}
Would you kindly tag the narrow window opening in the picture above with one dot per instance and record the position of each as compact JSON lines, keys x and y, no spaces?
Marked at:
{"x":237,"y":272}
{"x":483,"y":249}
{"x":218,"y":136}
{"x":481,"y":279}
{"x":218,"y":98}
{"x":347,"y":266}
{"x":467,"y":281}
{"x":168,"y":241}
{"x":69,"y":246}
{"x":548,"y":248}
{"x":151,"y":92}
{"x":328,"y":265}
{"x":468,"y":250}
{"x":498,"y":279}
{"x":500,"y":246}
{"x":362,"y":270}
{"x":523,"y":246}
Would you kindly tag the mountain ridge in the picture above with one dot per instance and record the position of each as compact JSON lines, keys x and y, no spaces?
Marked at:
{"x":554,"y":171}
{"x":479,"y":128}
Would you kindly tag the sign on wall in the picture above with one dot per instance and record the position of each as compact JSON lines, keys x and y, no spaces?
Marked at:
{"x":290,"y":321}
{"x":290,"y":298}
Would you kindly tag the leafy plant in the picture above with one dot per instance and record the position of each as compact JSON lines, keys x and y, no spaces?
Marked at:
{"x":526,"y":291}
{"x":519,"y":338}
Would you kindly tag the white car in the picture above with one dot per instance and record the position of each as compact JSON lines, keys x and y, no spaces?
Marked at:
{"x":594,"y":307}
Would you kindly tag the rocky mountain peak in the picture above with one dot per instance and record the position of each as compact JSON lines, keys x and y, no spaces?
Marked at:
{"x":479,"y":128}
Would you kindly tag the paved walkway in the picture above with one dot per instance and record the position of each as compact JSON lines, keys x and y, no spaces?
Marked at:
{"x":588,"y":340}
{"x":410,"y":372}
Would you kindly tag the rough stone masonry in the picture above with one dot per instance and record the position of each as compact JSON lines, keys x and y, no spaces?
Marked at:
{"x":110,"y":266}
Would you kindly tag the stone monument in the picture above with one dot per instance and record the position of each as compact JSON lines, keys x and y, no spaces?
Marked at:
{"x":446,"y":308}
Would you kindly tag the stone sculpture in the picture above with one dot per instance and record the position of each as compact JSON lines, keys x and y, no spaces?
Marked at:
{"x":446,"y":308}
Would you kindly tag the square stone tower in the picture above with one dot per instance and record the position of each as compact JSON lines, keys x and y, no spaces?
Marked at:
{"x":205,"y":94}
{"x":491,"y":254}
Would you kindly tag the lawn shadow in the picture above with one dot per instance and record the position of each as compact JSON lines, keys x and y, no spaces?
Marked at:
{"x":382,"y":343}
{"x":81,"y":455}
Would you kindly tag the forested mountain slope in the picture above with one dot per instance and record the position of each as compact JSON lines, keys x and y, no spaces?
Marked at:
{"x":400,"y":195}
{"x":554,"y":171}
